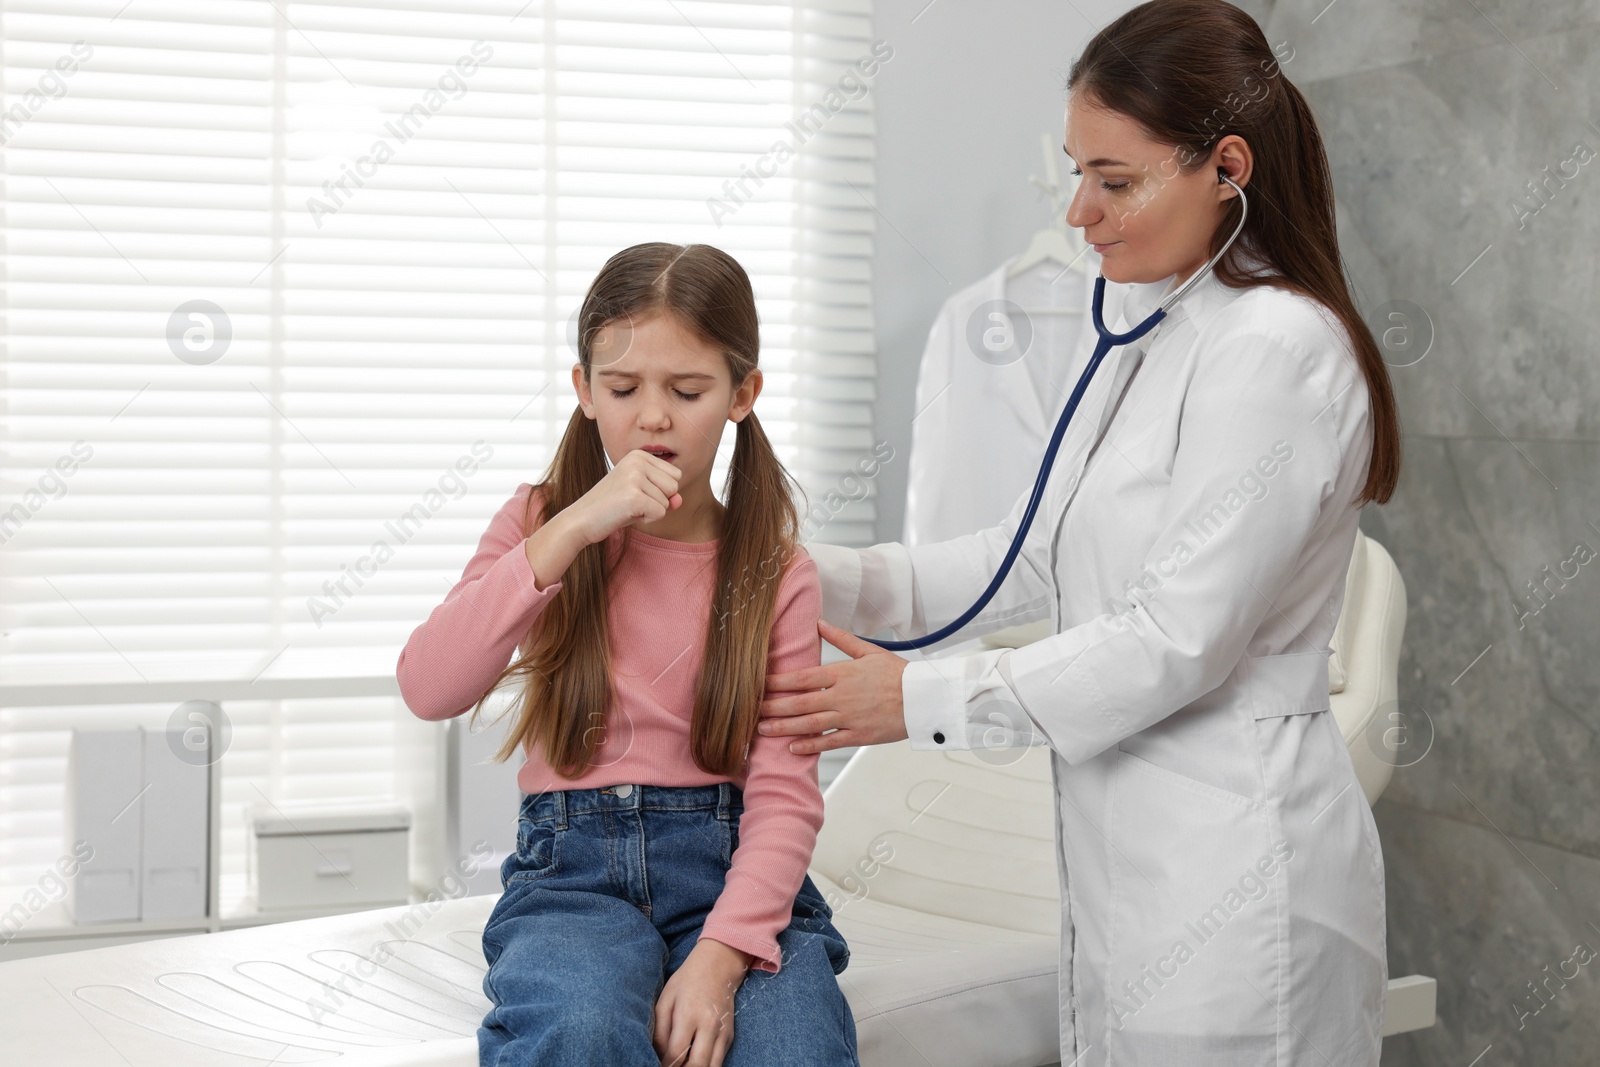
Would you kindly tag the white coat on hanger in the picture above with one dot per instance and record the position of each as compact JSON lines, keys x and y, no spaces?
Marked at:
{"x":981,"y":427}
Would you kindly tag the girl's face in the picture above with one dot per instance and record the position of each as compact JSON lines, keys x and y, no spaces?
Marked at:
{"x":653,"y":382}
{"x":1146,"y":218}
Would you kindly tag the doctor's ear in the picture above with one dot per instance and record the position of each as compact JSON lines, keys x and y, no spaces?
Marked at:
{"x":1233,"y":161}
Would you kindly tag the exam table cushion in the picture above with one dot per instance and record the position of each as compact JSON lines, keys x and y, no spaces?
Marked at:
{"x":924,"y":990}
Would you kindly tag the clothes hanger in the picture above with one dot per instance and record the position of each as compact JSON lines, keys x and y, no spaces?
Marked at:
{"x":1053,"y":243}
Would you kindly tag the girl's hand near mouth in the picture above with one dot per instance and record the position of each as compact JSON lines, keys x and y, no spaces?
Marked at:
{"x":639,"y":487}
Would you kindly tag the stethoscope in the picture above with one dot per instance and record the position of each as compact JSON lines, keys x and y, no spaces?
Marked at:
{"x":1106,"y":342}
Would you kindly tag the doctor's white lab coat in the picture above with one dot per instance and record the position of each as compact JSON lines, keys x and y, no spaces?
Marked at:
{"x":1222,"y":886}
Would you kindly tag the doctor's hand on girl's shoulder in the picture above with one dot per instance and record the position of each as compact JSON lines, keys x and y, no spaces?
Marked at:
{"x":858,"y":698}
{"x":694,"y":1014}
{"x":639,"y":488}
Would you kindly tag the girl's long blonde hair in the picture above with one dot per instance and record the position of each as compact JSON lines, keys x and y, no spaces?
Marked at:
{"x":564,"y":660}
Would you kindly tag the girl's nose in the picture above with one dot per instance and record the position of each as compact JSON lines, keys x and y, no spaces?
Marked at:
{"x":656,"y":411}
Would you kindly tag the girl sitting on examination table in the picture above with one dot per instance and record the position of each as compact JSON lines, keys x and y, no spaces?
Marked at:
{"x":645,"y":617}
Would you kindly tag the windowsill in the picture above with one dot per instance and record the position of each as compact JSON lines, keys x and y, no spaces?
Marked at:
{"x":233,"y":676}
{"x":283,"y":660}
{"x":54,"y":923}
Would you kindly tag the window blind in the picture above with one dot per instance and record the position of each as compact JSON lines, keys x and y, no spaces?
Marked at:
{"x":287,"y":304}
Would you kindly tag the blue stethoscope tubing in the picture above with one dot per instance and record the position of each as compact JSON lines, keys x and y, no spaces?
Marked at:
{"x":1106,"y":342}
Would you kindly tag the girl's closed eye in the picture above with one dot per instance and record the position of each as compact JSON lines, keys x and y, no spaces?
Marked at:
{"x":622,"y":394}
{"x":1104,"y":185}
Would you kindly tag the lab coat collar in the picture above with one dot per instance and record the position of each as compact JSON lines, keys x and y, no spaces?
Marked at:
{"x":1198,"y":303}
{"x":1142,"y":299}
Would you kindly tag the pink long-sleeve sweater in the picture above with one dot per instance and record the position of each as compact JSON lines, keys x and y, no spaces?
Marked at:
{"x":661,"y":603}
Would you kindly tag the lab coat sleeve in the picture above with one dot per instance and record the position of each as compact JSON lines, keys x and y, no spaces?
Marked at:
{"x":1253,"y":405}
{"x":869,"y":590}
{"x":866,"y":590}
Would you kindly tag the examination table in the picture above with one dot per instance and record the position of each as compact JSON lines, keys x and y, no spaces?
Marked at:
{"x":939,"y":867}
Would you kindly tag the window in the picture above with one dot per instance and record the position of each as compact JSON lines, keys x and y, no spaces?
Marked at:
{"x":280,"y":274}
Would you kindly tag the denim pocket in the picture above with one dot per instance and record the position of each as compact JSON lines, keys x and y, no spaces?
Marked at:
{"x":730,"y":836}
{"x":538,"y":852}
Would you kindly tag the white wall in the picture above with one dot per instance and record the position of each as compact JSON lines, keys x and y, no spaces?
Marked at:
{"x":959,"y":111}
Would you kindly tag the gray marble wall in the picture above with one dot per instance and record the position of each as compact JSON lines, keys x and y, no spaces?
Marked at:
{"x":1438,"y":115}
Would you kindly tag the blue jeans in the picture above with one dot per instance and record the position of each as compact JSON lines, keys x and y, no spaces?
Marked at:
{"x":604,"y":898}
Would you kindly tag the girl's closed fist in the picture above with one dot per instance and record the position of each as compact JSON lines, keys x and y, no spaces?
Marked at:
{"x":640,"y":488}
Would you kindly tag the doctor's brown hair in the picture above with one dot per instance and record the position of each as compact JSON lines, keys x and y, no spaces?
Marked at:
{"x":1186,"y":71}
{"x":564,"y":659}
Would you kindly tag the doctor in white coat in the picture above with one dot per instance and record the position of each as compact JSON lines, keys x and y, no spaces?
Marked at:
{"x":1222,"y":885}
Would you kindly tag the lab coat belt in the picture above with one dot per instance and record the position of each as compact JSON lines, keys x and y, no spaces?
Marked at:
{"x":1287,"y":683}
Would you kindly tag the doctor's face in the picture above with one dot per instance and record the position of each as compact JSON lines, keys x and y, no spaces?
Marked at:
{"x":1146,"y":218}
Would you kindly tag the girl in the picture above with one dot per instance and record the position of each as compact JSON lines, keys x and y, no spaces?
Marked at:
{"x":646,"y":617}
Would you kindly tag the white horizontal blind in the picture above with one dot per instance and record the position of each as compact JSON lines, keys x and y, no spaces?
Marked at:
{"x":279,"y":274}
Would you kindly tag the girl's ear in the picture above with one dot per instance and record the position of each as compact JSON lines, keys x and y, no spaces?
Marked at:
{"x":581,"y":387}
{"x":744,"y":397}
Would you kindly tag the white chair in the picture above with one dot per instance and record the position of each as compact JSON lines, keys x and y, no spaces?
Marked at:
{"x":954,"y":940}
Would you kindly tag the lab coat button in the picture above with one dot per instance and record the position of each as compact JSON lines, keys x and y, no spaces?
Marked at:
{"x":938,"y":737}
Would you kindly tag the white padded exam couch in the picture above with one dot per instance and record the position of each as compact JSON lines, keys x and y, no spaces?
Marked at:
{"x":953,"y":940}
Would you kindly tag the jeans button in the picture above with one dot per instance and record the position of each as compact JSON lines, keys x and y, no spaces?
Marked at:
{"x":624,"y":791}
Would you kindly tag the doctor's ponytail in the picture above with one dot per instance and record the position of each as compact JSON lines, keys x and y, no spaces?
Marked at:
{"x":1193,"y":71}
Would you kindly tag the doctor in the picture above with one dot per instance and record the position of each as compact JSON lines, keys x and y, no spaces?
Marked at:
{"x":1222,"y":886}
